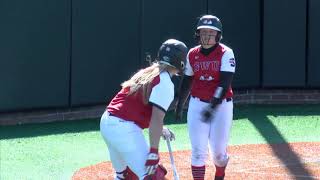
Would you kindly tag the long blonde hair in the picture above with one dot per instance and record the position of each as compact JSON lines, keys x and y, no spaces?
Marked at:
{"x":143,"y":78}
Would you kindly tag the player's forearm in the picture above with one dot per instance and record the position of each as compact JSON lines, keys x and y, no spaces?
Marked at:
{"x":184,"y":89}
{"x":225,"y":79}
{"x":155,"y":128}
{"x":220,"y":92}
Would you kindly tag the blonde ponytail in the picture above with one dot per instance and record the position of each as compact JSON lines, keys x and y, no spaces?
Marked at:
{"x":143,"y":78}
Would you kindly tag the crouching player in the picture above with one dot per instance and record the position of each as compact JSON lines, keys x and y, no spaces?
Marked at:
{"x":142,"y":103}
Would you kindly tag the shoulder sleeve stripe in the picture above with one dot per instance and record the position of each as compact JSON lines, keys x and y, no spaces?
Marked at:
{"x":158,"y":106}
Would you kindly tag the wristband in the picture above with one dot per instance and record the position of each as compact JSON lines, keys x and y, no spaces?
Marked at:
{"x":218,"y":92}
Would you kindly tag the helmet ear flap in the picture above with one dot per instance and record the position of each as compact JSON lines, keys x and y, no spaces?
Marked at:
{"x":218,"y":37}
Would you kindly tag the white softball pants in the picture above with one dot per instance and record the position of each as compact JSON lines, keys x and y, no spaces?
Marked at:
{"x":215,"y":132}
{"x":126,"y":144}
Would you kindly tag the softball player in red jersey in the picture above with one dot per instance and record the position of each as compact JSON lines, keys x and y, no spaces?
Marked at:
{"x":208,"y":76}
{"x":142,"y":103}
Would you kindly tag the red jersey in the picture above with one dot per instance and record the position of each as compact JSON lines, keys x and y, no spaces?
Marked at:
{"x":132,"y":107}
{"x":206,"y":70}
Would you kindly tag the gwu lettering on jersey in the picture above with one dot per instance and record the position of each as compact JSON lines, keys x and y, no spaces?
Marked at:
{"x":206,"y":70}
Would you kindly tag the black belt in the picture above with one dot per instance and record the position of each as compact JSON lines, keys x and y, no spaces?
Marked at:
{"x":206,"y":101}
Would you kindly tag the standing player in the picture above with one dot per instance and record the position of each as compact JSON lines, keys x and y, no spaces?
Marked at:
{"x":208,"y":74}
{"x":142,"y":103}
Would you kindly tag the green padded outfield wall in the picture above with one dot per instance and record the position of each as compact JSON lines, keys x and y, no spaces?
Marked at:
{"x":284,"y":43}
{"x":34,"y":58}
{"x":62,"y":53}
{"x":105,"y":48}
{"x":162,"y":21}
{"x":241,"y":31}
{"x":314,"y":44}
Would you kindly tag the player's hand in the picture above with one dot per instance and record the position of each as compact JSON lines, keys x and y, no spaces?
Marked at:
{"x":179,"y":112}
{"x":168,"y":134}
{"x":209,"y":111}
{"x":207,"y":114}
{"x":152,"y":161}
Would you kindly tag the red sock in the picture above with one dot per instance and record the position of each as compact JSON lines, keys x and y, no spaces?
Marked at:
{"x":198,"y":172}
{"x":220,"y":170}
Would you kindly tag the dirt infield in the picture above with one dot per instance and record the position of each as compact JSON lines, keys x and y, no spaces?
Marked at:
{"x":259,"y":161}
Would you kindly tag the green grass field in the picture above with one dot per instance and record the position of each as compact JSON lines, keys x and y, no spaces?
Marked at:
{"x":56,"y":150}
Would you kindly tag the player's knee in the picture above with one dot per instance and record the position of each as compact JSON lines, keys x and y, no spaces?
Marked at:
{"x":198,"y":158}
{"x":221,"y":160}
